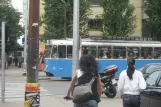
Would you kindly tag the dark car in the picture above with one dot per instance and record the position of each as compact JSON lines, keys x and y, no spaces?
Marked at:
{"x":149,"y":68}
{"x":151,"y":96}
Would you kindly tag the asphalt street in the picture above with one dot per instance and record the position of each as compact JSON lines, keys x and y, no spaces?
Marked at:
{"x":56,"y":87}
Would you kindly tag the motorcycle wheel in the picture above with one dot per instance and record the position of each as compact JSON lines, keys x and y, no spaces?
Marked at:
{"x":111,"y":91}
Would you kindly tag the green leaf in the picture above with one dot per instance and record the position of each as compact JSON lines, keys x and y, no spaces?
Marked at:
{"x":118,"y":18}
{"x":152,"y":8}
{"x":53,"y":18}
{"x":12,"y":18}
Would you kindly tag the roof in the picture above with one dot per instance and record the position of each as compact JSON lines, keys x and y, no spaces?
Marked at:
{"x":105,"y":43}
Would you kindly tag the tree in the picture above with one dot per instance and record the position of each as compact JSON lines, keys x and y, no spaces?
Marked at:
{"x":118,"y":18}
{"x":53,"y":18}
{"x":152,"y":9}
{"x":12,"y":18}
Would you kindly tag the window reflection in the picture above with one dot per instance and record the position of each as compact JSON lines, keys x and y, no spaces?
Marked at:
{"x":119,"y":52}
{"x":54,"y":52}
{"x":48,"y":51}
{"x":151,"y":80}
{"x":157,"y":53}
{"x":104,"y":52}
{"x":91,"y":50}
{"x":62,"y":51}
{"x":146,"y":53}
{"x":69,"y":52}
{"x":133,"y":52}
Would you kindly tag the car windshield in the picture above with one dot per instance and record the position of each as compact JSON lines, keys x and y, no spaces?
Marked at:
{"x":151,"y":68}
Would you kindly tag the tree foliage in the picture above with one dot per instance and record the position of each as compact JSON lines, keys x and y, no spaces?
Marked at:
{"x":153,"y":9}
{"x":12,"y":18}
{"x":53,"y":18}
{"x":118,"y":17}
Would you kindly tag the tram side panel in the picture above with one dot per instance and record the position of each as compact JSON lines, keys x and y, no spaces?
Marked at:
{"x":63,"y":67}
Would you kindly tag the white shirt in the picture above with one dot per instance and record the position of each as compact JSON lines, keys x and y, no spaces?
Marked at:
{"x":79,"y":73}
{"x":132,"y":87}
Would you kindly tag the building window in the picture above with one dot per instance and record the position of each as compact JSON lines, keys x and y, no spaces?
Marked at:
{"x":94,"y":24}
{"x":95,"y":2}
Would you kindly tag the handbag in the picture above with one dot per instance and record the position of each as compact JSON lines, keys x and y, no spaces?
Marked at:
{"x":82,"y":92}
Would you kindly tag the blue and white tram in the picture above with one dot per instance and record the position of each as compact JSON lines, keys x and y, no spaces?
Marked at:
{"x":58,"y":59}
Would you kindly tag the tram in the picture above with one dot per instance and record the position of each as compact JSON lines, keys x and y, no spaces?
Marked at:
{"x":58,"y":57}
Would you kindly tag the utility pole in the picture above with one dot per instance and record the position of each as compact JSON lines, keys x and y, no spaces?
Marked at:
{"x":32,"y":91}
{"x":3,"y":63}
{"x":76,"y":38}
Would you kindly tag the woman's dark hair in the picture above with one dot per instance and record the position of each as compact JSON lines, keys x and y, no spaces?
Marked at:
{"x":89,"y":65}
{"x":130,"y":70}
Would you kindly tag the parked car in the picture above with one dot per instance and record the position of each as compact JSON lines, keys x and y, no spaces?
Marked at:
{"x":149,"y":68}
{"x":151,"y":96}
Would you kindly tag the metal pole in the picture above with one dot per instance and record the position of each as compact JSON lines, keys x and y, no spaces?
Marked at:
{"x":3,"y":64}
{"x":75,"y":36}
{"x":26,"y":33}
{"x":65,"y":20}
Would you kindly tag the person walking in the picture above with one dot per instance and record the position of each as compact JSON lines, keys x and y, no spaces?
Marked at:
{"x":130,"y":83}
{"x":16,"y":61}
{"x":88,"y":70}
{"x":20,"y":61}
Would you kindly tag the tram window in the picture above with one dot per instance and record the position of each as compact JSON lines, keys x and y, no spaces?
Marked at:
{"x":157,"y":53}
{"x":69,"y":52}
{"x":119,"y":53}
{"x":54,"y":52}
{"x":62,"y":51}
{"x":84,"y":50}
{"x":104,"y":52}
{"x":133,"y":52}
{"x":48,"y":51}
{"x":146,"y":52}
{"x":89,"y":50}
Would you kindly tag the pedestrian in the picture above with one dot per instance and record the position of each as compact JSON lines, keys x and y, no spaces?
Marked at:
{"x":20,"y":60}
{"x":16,"y":61}
{"x":130,"y":83}
{"x":88,"y":70}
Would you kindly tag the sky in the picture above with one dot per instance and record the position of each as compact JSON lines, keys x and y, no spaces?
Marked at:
{"x":18,"y":4}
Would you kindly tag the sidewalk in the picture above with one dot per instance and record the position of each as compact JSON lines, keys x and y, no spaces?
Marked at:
{"x":53,"y":101}
{"x":13,"y":72}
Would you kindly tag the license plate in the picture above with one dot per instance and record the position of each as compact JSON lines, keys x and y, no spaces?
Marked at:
{"x":114,"y":81}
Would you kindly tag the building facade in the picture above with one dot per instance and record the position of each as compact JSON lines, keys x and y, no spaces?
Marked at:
{"x":97,"y":10}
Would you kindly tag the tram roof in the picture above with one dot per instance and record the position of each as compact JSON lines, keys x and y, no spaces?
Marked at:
{"x":119,"y":43}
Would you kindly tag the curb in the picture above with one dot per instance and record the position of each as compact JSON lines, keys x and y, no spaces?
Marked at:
{"x":45,"y":78}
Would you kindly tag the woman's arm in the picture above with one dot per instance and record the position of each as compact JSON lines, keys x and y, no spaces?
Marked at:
{"x":99,"y":88}
{"x":74,"y":79}
{"x":142,"y":83}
